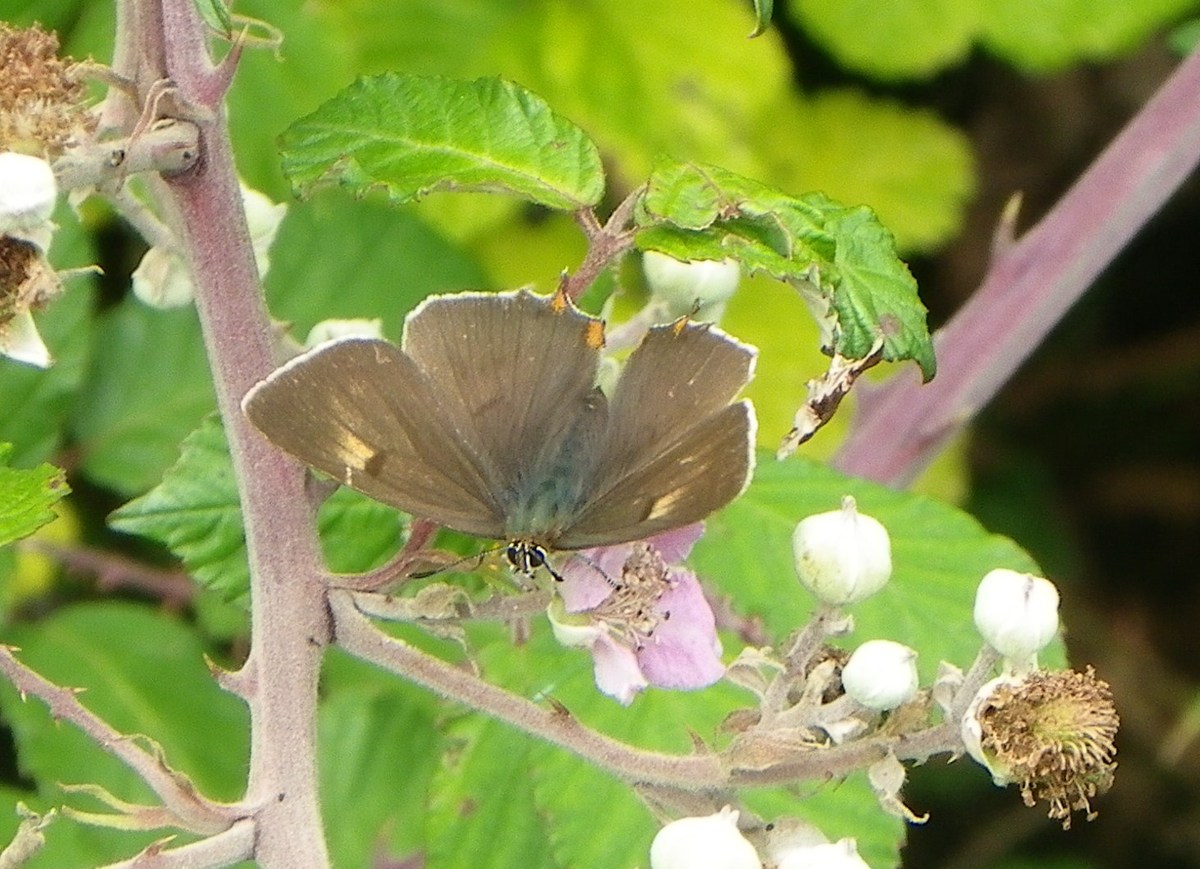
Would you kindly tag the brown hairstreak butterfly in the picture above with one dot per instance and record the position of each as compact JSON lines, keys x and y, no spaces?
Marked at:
{"x":488,"y":420}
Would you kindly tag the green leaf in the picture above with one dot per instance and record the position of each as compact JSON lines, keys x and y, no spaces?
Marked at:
{"x":37,"y":402}
{"x":148,"y":386}
{"x":378,"y":748}
{"x":573,"y":798}
{"x":763,"y":10}
{"x":196,"y":512}
{"x":26,"y":497}
{"x":911,"y":167}
{"x":939,"y":554}
{"x":845,"y":809}
{"x":894,"y":40}
{"x":144,"y":673}
{"x":843,"y":255}
{"x":639,"y":77}
{"x":413,"y":135}
{"x":1046,"y":35}
{"x":482,"y":813}
{"x":216,"y":15}
{"x":336,"y":257}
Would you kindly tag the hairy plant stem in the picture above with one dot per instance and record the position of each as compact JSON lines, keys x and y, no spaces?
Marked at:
{"x":1032,"y":282}
{"x":695,"y":772}
{"x":288,"y":613}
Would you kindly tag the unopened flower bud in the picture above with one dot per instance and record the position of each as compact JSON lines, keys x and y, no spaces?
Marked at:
{"x":711,"y":842}
{"x":842,"y":556}
{"x":881,"y":674}
{"x":698,"y":288}
{"x":842,"y":854}
{"x":1016,"y":613}
{"x":28,"y":193}
{"x":331,"y":330}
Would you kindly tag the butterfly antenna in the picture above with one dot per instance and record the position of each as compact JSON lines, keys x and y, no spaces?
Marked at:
{"x":478,"y":558}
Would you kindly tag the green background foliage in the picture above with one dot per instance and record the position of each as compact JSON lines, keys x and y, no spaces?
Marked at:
{"x":128,"y":400}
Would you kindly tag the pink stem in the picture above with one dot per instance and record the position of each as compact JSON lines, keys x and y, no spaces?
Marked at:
{"x":900,"y":427}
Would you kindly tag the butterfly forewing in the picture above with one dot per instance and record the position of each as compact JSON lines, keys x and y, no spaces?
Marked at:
{"x":360,"y":411}
{"x":519,"y":372}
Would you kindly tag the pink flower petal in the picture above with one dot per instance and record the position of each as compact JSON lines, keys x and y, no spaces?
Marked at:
{"x":617,"y":672}
{"x":674,"y":546}
{"x":588,"y":577}
{"x":684,"y":652}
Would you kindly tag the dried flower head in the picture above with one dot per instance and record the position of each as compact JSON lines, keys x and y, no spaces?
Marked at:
{"x":1052,"y":733}
{"x":42,"y":107}
{"x":27,"y":283}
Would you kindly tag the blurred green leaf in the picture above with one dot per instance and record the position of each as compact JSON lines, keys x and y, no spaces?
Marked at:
{"x":640,"y":78}
{"x":379,"y":746}
{"x":27,"y":497}
{"x":412,"y":135}
{"x":144,"y":673}
{"x":337,"y":257}
{"x":273,"y":88}
{"x":894,"y":40}
{"x":939,"y":554}
{"x":148,"y":386}
{"x":912,"y":168}
{"x":842,"y":255}
{"x":149,"y":383}
{"x":481,"y":809}
{"x":763,"y":10}
{"x":195,"y":512}
{"x":37,"y":402}
{"x":216,"y":15}
{"x":1186,"y":37}
{"x":1046,"y":35}
{"x":914,"y":39}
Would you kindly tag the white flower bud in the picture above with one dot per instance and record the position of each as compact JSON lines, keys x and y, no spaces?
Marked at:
{"x":262,"y":219}
{"x":711,"y":842}
{"x":842,"y":556}
{"x":881,"y":674}
{"x":28,"y":192}
{"x":161,"y":280}
{"x":842,"y":854}
{"x":1016,"y":613}
{"x":701,"y":287}
{"x":330,"y":330}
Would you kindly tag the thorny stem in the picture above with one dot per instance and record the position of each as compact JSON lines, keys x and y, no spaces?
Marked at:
{"x":606,"y":244}
{"x":1030,"y":285}
{"x":164,"y":39}
{"x":179,"y":796}
{"x":222,"y":849}
{"x":112,"y":571}
{"x":698,"y":772}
